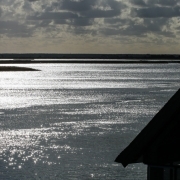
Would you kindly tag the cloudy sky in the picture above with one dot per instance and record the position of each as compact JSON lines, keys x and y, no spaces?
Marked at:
{"x":90,"y":26}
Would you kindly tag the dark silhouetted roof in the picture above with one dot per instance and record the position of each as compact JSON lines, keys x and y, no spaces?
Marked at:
{"x":159,"y":141}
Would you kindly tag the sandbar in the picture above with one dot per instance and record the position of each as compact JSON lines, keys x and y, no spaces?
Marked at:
{"x":14,"y":68}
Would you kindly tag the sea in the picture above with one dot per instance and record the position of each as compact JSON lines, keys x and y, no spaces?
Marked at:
{"x":70,"y":121}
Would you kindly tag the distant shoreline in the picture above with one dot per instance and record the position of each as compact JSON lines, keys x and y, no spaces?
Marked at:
{"x":88,"y":58}
{"x":32,"y":56}
{"x":79,"y":61}
{"x":12,"y":68}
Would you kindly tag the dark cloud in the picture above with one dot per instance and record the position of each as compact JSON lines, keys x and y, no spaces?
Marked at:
{"x":53,"y":16}
{"x":80,"y":30}
{"x":0,"y":11}
{"x":14,"y":29}
{"x":97,"y":13}
{"x":116,"y":21}
{"x":154,"y":26}
{"x":82,"y":22}
{"x":77,"y":13}
{"x":139,"y":2}
{"x":80,"y":9}
{"x":164,"y":2}
{"x":78,"y":6}
{"x":44,"y":23}
{"x":88,"y":5}
{"x":60,"y":21}
{"x":150,"y":3}
{"x":75,"y":22}
{"x":156,"y":12}
{"x":32,"y":0}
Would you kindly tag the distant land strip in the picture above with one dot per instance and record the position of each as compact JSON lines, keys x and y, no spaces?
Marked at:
{"x":89,"y":58}
{"x":12,"y":68}
{"x":87,"y":62}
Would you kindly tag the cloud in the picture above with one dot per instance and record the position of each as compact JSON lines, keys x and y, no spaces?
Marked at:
{"x":150,"y":3}
{"x":82,"y":22}
{"x":14,"y":29}
{"x":156,"y":12}
{"x":80,"y":9}
{"x":139,"y":2}
{"x":78,"y":6}
{"x":97,"y":19}
{"x":33,"y":0}
{"x":53,"y":16}
{"x":77,"y":14}
{"x":97,"y":13}
{"x":0,"y":11}
{"x":138,"y":27}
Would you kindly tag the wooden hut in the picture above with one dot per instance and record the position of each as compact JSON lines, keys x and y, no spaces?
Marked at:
{"x":158,"y":144}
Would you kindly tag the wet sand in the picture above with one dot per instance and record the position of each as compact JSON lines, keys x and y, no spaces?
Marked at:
{"x":13,"y":68}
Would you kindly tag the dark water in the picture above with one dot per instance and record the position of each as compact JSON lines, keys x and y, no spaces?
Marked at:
{"x":70,"y":121}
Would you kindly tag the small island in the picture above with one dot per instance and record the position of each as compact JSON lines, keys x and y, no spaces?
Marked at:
{"x":14,"y":68}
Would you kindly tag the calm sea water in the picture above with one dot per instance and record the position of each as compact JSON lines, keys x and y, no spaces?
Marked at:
{"x":70,"y":121}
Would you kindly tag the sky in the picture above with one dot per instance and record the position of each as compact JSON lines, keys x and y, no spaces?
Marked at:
{"x":90,"y":26}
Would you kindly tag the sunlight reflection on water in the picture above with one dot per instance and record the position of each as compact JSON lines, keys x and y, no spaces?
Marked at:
{"x":70,"y":121}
